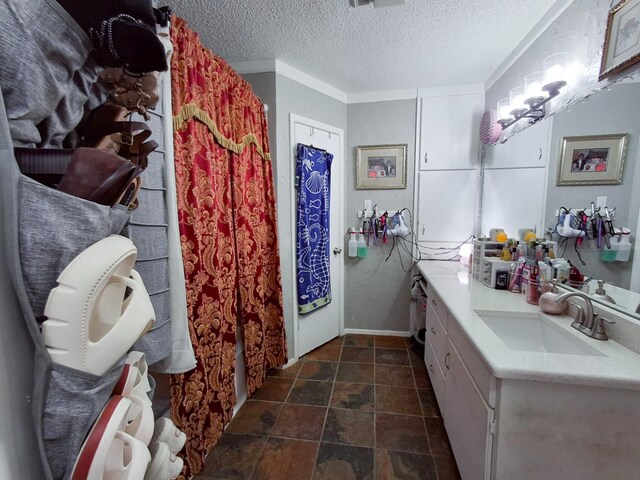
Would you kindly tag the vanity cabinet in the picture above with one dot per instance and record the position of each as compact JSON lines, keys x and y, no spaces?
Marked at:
{"x":468,"y":419}
{"x":514,"y":413}
{"x":447,"y":163}
{"x":462,"y":391}
{"x":446,"y":205}
{"x":450,"y":122}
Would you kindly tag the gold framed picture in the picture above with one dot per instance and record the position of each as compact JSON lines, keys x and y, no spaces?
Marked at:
{"x":622,"y":38}
{"x":592,"y":160}
{"x":380,"y":167}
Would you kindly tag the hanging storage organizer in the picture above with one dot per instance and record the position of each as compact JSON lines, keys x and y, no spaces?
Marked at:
{"x":45,"y":230}
{"x":45,"y":56}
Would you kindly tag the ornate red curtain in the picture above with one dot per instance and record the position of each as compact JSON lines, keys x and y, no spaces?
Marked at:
{"x":226,"y":208}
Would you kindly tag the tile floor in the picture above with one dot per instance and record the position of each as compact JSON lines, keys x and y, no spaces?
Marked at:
{"x":358,"y":408}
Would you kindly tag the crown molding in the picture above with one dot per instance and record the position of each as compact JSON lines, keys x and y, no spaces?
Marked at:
{"x":309,"y":81}
{"x":254,"y":66}
{"x":468,"y":89}
{"x":383,"y":96}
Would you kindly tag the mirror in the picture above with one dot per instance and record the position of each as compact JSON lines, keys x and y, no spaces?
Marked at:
{"x":520,"y":187}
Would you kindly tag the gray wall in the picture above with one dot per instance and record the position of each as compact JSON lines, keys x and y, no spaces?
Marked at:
{"x":264,"y":86}
{"x":377,"y":293}
{"x":603,"y":113}
{"x":293,"y":97}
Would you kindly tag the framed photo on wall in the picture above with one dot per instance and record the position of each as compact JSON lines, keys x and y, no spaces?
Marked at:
{"x":380,"y":167}
{"x":592,"y":160}
{"x":622,"y":38}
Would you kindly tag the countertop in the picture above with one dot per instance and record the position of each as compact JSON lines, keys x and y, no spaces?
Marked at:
{"x":465,"y":297}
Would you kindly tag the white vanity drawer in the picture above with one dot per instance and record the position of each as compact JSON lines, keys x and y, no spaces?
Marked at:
{"x":438,"y":306}
{"x":435,"y":372}
{"x":480,"y":373}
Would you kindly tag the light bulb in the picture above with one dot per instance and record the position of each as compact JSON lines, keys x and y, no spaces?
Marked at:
{"x":503,"y":110}
{"x":516,"y":101}
{"x":554,"y":73}
{"x":555,"y":70}
{"x":533,"y":88}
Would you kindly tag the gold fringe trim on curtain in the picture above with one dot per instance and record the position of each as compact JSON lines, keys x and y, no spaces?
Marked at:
{"x":191,"y":110}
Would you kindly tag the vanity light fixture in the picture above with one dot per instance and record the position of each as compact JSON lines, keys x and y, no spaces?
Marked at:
{"x":529,"y":100}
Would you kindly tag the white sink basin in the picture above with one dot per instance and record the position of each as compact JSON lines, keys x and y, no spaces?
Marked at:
{"x":538,"y":335}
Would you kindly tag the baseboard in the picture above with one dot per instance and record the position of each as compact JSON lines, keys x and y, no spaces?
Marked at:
{"x":291,"y":362}
{"x":239,"y":402}
{"x":389,"y":333}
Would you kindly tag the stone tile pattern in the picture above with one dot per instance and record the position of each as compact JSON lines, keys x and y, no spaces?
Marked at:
{"x":360,"y":407}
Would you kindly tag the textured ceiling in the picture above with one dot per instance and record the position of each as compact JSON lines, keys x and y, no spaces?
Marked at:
{"x":424,"y":43}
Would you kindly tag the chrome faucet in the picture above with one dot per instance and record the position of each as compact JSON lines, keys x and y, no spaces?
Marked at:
{"x":587,"y":321}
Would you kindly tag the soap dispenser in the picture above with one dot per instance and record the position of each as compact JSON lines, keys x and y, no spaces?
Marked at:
{"x":549,"y":301}
{"x":601,"y":293}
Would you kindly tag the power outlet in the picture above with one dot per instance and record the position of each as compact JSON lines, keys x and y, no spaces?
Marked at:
{"x":601,"y":202}
{"x":367,"y":205}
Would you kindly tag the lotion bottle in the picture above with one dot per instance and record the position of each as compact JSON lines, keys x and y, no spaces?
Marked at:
{"x":622,"y":248}
{"x":362,"y":247}
{"x":353,"y":244}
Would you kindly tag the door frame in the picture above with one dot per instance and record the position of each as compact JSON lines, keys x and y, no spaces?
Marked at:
{"x":293,"y":119}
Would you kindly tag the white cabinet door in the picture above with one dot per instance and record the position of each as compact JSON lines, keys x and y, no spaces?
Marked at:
{"x":446,"y":205}
{"x":528,"y":148}
{"x":513,"y":198}
{"x":467,"y":419}
{"x":435,"y":372}
{"x":449,"y":131}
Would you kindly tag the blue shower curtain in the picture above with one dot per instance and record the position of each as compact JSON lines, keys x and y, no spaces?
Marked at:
{"x":313,"y":181}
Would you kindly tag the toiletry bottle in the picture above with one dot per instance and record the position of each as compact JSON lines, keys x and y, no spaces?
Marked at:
{"x":353,"y":244}
{"x":515,"y":283}
{"x":622,"y":247}
{"x":562,"y":271}
{"x":576,"y":279}
{"x":502,"y":279}
{"x":506,"y":254}
{"x":533,"y":287}
{"x":362,"y":247}
{"x":552,"y":253}
{"x":608,"y":254}
{"x":601,"y":293}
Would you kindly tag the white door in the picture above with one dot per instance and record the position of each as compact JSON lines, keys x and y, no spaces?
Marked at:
{"x":325,"y":323}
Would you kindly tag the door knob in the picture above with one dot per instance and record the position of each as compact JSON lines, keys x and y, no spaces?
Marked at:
{"x":337,"y":251}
